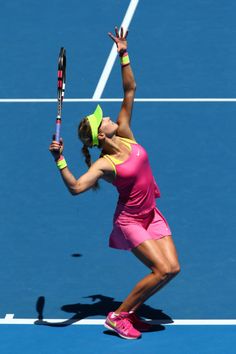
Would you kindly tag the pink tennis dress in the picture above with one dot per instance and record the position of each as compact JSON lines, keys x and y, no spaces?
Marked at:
{"x":136,"y":218}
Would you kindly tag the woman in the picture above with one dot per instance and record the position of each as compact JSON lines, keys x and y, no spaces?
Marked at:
{"x":138,"y":224}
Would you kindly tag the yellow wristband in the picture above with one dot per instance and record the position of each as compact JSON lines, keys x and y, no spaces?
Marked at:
{"x":61,"y":163}
{"x":124,"y":60}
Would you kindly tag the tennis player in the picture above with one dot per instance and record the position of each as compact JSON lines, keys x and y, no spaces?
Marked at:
{"x":138,"y":225}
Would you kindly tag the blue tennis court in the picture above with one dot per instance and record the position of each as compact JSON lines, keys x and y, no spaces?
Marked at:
{"x":55,"y":263}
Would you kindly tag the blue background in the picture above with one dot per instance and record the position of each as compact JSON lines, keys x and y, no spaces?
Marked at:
{"x":56,"y":246}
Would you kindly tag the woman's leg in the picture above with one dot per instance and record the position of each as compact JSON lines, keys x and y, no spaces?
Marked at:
{"x":167,"y":247}
{"x":168,"y":250}
{"x":159,"y":256}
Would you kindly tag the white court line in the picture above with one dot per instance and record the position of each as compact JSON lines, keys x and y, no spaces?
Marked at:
{"x":113,"y":54}
{"x":29,"y":321}
{"x":81,"y":100}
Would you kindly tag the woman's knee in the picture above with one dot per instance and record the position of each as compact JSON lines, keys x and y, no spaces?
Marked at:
{"x":175,"y":269}
{"x":162,"y":271}
{"x":166,"y":270}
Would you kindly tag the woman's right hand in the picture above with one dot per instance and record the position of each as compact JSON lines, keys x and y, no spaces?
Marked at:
{"x":56,"y":148}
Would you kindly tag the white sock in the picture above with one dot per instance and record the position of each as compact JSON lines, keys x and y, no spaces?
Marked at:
{"x":114,"y":315}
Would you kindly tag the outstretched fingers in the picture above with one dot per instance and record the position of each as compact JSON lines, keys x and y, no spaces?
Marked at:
{"x":118,"y":36}
{"x":117,"y":32}
{"x":112,"y":37}
{"x":123,"y":34}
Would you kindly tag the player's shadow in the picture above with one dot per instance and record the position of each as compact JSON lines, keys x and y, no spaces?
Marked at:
{"x":100,"y":306}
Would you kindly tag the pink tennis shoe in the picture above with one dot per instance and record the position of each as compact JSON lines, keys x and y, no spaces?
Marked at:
{"x":138,"y":323}
{"x":122,"y":325}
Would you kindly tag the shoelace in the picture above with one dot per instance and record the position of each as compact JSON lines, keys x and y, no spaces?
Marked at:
{"x":124,"y":324}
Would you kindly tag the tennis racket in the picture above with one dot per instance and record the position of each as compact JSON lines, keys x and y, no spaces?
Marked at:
{"x":61,"y":81}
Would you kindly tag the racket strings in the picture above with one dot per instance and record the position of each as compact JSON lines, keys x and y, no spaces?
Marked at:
{"x":61,"y":75}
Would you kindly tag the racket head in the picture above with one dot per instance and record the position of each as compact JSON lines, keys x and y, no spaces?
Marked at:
{"x":61,"y":76}
{"x":61,"y":73}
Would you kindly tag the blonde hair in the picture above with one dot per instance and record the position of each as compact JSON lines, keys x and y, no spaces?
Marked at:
{"x":85,"y":135}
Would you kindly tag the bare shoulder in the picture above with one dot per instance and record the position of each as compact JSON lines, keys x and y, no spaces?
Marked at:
{"x":106,"y":169}
{"x":103,"y":165}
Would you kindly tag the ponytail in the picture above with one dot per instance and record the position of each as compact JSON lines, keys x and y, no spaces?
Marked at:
{"x":88,"y":161}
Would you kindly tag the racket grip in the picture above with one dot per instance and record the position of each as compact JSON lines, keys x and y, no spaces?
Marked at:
{"x":58,"y":128}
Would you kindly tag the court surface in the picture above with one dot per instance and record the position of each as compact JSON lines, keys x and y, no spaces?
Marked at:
{"x":55,"y":263}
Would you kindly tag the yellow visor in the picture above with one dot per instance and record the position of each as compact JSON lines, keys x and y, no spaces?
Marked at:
{"x":95,"y":120}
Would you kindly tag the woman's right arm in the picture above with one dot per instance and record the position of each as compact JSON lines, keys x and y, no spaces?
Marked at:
{"x":87,"y":180}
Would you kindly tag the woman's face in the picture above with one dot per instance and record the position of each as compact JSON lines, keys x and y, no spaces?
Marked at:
{"x":108,"y":127}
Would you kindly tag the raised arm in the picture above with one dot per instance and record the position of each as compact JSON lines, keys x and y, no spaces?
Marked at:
{"x":129,"y":85}
{"x":77,"y":186}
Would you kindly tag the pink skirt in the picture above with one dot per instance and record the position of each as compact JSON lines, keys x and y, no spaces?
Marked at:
{"x":129,"y":231}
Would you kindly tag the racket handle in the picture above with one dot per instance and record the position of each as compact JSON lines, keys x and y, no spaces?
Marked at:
{"x":58,"y":128}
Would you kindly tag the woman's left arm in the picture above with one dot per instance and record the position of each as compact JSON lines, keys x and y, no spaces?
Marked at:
{"x":129,"y":85}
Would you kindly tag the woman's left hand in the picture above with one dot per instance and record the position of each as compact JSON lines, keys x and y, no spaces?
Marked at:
{"x":120,"y":40}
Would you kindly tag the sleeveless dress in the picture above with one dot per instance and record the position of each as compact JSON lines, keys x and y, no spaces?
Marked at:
{"x":136,"y":218}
